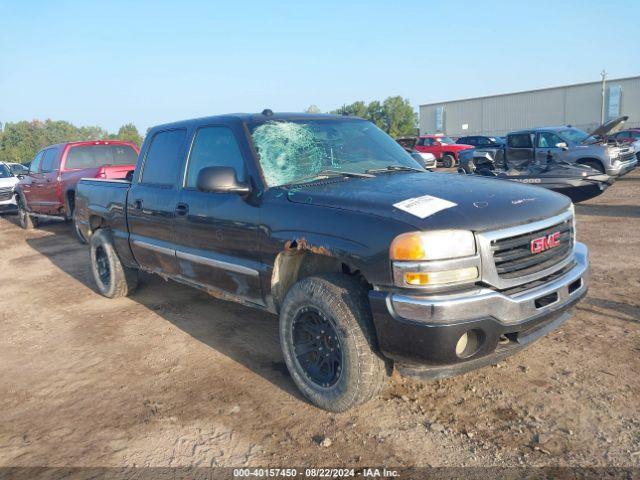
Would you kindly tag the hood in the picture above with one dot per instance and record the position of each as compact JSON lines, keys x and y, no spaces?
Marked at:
{"x":458,"y":146}
{"x":610,"y":127}
{"x":435,"y":200}
{"x":8,"y":182}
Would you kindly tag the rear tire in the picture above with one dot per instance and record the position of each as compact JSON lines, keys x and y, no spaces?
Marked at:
{"x":112,"y":278}
{"x":596,"y":165}
{"x":448,"y":161}
{"x":339,"y":367}
{"x":26,"y":220}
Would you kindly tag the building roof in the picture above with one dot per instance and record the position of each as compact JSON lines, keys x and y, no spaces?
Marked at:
{"x":637,"y":77}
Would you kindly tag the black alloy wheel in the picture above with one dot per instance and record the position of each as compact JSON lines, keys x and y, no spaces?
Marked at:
{"x":102,"y":263}
{"x":317,"y":347}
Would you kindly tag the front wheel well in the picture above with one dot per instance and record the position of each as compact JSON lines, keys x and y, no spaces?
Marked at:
{"x":95,"y":222}
{"x":590,"y":161}
{"x":292,"y":266}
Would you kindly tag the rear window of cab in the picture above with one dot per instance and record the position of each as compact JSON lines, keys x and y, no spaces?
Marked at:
{"x":92,"y":156}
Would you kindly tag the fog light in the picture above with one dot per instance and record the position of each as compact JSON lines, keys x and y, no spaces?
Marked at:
{"x":468,"y":343}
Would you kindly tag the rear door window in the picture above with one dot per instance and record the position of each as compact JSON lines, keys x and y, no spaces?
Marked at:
{"x":92,"y":156}
{"x":520,"y":140}
{"x":163,"y":159}
{"x":49,"y":160}
{"x":35,"y":163}
{"x":214,"y":147}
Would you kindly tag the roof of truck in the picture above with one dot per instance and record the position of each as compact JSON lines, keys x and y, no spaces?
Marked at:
{"x":92,"y":142}
{"x":542,"y":129}
{"x":256,"y":117}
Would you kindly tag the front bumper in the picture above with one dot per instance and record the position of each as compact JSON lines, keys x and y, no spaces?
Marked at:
{"x":622,"y":168}
{"x":420,"y":332}
{"x":8,"y":204}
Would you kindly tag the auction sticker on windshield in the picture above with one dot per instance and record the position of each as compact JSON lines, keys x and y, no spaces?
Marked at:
{"x":424,"y":206}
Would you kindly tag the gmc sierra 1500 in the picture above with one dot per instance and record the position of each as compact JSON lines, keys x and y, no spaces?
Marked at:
{"x":369,"y":260}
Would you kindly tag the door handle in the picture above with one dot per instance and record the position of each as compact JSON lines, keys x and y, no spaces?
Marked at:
{"x":182,"y":209}
{"x":137,"y":204}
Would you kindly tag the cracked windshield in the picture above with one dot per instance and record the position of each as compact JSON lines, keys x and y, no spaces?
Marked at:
{"x":296,"y":152}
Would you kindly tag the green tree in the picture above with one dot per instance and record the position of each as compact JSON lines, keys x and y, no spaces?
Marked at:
{"x":399,"y":117}
{"x":129,"y":133}
{"x":395,"y":115}
{"x":92,"y":133}
{"x":356,"y":109}
{"x":376,"y":114}
{"x":20,"y":141}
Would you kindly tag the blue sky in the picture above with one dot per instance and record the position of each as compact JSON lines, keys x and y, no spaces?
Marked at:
{"x":108,"y":63}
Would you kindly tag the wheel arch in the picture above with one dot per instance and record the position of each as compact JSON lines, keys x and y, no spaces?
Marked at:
{"x":301,"y":259}
{"x":583,"y":160}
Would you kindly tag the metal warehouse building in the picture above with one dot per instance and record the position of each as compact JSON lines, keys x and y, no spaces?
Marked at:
{"x":579,"y":105}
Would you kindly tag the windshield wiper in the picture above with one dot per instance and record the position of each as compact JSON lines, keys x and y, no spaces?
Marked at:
{"x":333,"y":173}
{"x":395,"y":168}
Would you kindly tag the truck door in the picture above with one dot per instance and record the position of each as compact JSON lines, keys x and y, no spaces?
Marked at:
{"x":520,"y":151}
{"x":27,"y":185}
{"x":546,"y":147}
{"x":216,"y":233}
{"x":50,"y":201}
{"x":151,"y":202}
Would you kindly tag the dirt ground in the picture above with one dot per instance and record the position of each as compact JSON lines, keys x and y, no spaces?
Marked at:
{"x":172,"y":377}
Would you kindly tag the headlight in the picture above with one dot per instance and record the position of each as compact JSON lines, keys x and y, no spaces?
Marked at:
{"x":434,"y":259}
{"x":438,"y":245}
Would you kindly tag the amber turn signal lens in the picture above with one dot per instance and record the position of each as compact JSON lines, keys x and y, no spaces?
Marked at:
{"x":416,"y":278}
{"x":407,"y":246}
{"x":441,"y":277}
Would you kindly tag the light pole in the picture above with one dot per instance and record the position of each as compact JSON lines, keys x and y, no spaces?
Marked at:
{"x":603,"y":74}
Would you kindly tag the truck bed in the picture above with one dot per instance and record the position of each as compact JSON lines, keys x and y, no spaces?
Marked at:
{"x":106,"y":199}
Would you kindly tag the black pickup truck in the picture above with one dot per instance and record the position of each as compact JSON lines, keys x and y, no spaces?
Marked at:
{"x":370,"y":261}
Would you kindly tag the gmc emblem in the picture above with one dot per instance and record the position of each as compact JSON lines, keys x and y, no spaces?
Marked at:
{"x":540,"y":244}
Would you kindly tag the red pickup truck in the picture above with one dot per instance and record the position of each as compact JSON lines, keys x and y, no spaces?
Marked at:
{"x":444,"y":149}
{"x":49,"y":188}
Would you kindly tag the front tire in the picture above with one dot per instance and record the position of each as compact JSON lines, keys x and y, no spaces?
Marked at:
{"x":26,"y":220}
{"x":112,"y":278}
{"x":329,"y":344}
{"x":448,"y":161}
{"x":76,"y":227}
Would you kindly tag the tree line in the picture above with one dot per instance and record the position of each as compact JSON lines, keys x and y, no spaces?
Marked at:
{"x":20,"y":141}
{"x":395,"y":115}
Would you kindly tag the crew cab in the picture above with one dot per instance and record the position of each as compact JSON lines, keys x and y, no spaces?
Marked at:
{"x":370,"y":261}
{"x":49,"y":187}
{"x":566,"y":144}
{"x":444,"y":148}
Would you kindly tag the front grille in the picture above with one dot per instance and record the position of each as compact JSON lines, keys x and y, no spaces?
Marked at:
{"x":626,"y":157}
{"x":6,"y":193}
{"x":513,"y":256}
{"x":539,"y":282}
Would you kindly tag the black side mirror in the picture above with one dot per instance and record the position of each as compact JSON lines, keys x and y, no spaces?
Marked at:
{"x":220,"y":180}
{"x":20,"y":176}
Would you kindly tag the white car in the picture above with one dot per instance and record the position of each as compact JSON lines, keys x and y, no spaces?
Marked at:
{"x":427,"y":160}
{"x":8,"y":182}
